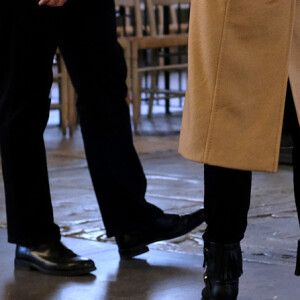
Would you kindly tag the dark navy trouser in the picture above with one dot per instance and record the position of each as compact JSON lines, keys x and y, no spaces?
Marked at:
{"x":85,"y":32}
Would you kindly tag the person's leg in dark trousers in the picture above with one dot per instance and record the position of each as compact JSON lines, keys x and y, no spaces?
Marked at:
{"x":27,"y":49}
{"x":226,"y":203}
{"x":97,"y":68}
{"x":26,"y":58}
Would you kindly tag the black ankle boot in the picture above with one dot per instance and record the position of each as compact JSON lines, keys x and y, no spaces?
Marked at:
{"x":223,"y":269}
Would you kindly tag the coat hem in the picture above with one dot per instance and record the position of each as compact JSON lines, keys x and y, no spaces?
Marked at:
{"x":228,"y":166}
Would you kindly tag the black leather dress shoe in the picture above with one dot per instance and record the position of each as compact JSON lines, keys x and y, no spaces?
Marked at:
{"x":165,"y":227}
{"x":52,"y":258}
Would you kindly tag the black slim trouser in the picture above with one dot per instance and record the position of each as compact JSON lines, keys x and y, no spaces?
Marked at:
{"x":85,"y":32}
{"x":227,"y":191}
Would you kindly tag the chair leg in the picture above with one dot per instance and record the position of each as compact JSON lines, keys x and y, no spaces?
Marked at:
{"x":154,"y":77}
{"x":139,"y":103}
{"x":154,"y":82}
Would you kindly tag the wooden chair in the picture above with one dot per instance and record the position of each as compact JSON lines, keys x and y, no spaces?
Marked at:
{"x":175,"y":22}
{"x":132,"y":40}
{"x":155,"y":40}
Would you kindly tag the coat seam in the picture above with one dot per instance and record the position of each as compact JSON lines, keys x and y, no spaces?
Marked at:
{"x":284,"y":85}
{"x":217,"y":86}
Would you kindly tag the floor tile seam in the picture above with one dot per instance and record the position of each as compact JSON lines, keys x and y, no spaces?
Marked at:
{"x":189,"y":200}
{"x":267,"y":263}
{"x":67,"y":186}
{"x":52,"y":169}
{"x":57,"y":154}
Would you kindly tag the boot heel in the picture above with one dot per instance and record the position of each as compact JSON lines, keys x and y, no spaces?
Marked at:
{"x":22,"y":265}
{"x":131,"y":252}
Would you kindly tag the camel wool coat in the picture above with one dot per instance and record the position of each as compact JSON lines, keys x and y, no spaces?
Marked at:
{"x":241,"y":54}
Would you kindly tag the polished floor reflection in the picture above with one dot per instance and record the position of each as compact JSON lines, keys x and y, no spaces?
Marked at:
{"x":157,"y":275}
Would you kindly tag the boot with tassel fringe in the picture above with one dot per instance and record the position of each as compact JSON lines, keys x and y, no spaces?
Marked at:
{"x":223,"y":268}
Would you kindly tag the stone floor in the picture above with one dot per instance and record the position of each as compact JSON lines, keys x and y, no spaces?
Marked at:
{"x":172,"y":269}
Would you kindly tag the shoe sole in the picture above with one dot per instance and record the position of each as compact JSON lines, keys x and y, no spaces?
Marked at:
{"x":129,"y":253}
{"x":134,"y":251}
{"x":21,"y":264}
